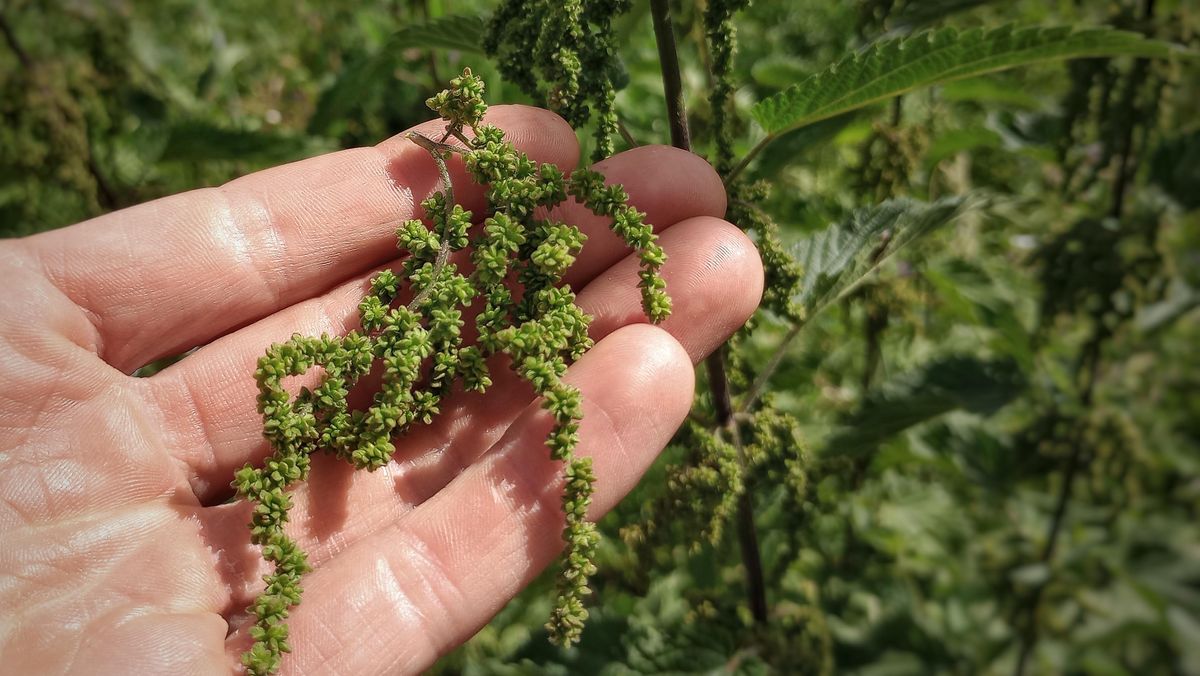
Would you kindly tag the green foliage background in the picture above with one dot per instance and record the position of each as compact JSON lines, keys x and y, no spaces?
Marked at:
{"x":1046,"y":338}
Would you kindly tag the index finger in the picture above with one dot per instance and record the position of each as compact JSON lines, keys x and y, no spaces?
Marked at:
{"x":168,"y":275}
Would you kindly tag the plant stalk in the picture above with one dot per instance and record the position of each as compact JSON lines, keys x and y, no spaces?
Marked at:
{"x":1089,"y":363}
{"x":1089,"y":366}
{"x":668,"y":57}
{"x":436,"y":151}
{"x":718,"y":379}
{"x":741,"y":166}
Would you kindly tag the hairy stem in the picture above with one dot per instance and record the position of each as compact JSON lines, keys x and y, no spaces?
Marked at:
{"x":438,"y":152}
{"x":760,"y":382}
{"x":668,"y":57}
{"x":741,"y":166}
{"x":664,"y":34}
{"x":1137,"y":77}
{"x":10,"y":38}
{"x":431,"y":54}
{"x":1089,"y":366}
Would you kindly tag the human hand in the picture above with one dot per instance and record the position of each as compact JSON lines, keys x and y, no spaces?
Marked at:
{"x":120,"y":551}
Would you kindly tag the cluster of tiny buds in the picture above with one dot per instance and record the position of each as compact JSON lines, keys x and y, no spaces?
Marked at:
{"x":561,"y":53}
{"x":421,"y":347}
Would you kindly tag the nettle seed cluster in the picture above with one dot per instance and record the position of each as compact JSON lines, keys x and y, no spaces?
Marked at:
{"x":517,"y":259}
{"x":562,"y":53}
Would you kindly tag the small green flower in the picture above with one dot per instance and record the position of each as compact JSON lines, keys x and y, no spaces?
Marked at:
{"x":419,"y":347}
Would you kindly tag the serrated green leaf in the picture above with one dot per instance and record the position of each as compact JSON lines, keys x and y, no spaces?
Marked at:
{"x":948,"y":384}
{"x":895,"y":66}
{"x":836,"y":259}
{"x":345,"y":92}
{"x":456,"y":31}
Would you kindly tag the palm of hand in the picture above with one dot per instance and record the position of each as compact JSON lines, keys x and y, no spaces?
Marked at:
{"x":121,"y":552}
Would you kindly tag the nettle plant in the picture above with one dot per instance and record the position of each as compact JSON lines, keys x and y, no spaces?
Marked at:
{"x":420,"y":345}
{"x":562,"y":53}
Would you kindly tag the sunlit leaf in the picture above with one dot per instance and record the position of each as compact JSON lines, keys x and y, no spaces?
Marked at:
{"x":899,"y":65}
{"x":836,"y":259}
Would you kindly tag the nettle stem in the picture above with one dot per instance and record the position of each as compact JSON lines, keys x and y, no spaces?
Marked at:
{"x":718,"y":379}
{"x":438,"y":152}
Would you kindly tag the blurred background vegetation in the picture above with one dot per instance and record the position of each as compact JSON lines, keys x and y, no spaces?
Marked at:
{"x":1002,"y":425}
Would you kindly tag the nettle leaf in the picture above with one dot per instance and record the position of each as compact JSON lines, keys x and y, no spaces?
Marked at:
{"x":895,"y":66}
{"x":948,"y":384}
{"x":456,"y":31}
{"x":837,"y":259}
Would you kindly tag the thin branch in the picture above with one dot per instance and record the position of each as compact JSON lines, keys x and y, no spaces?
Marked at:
{"x":431,"y":55}
{"x":438,"y":152}
{"x":758,"y":148}
{"x":10,"y":38}
{"x":1137,"y":77}
{"x":668,"y":56}
{"x":760,"y":382}
{"x":664,"y":34}
{"x":1089,"y":366}
{"x":625,"y":134}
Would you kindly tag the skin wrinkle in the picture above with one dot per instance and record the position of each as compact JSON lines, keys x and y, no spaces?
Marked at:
{"x":91,"y":322}
{"x":51,"y":497}
{"x":266,"y":261}
{"x":172,"y":432}
{"x":398,"y":185}
{"x":29,"y":258}
{"x":627,"y":458}
{"x":721,"y":254}
{"x":39,"y":410}
{"x":361,"y":606}
{"x":137,"y":427}
{"x":430,"y":569}
{"x":223,"y":563}
{"x":102,"y":568}
{"x":130,"y":254}
{"x":202,"y":454}
{"x":327,"y":650}
{"x":519,"y":514}
{"x":46,"y":352}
